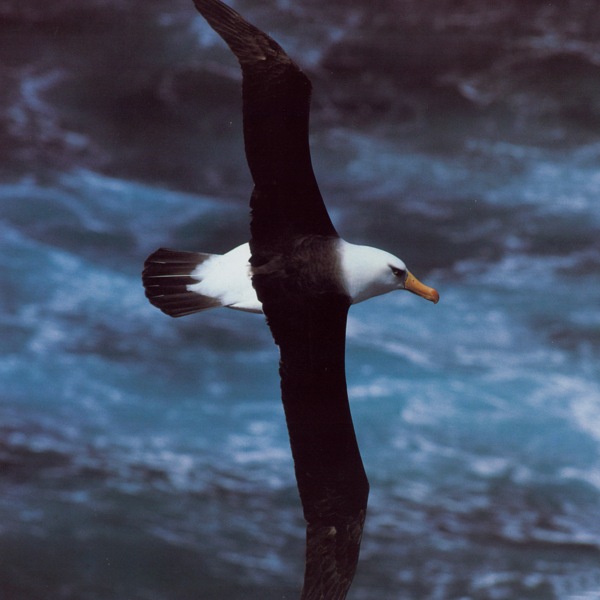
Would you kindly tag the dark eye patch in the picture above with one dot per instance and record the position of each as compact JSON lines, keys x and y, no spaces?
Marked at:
{"x":398,"y":272}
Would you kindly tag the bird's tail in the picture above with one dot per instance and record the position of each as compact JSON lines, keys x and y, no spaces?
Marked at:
{"x":167,"y":276}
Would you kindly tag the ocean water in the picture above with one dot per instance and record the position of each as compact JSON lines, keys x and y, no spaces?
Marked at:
{"x":145,"y":458}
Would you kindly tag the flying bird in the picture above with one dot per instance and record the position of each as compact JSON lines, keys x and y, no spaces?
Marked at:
{"x":298,"y":272}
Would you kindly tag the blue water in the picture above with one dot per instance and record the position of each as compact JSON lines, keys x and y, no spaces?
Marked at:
{"x":146,"y":458}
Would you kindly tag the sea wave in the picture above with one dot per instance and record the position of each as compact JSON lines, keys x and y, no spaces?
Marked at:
{"x":457,"y":136}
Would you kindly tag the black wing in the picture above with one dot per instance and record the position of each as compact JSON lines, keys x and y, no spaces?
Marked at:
{"x":309,"y":328}
{"x":276,"y":105}
{"x":329,"y":471}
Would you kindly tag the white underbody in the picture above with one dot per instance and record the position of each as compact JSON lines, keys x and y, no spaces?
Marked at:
{"x":228,"y":277}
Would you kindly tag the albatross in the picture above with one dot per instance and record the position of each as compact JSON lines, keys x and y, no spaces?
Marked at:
{"x":304,"y":277}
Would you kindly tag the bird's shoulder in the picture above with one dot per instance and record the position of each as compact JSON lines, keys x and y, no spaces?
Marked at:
{"x":303,"y":267}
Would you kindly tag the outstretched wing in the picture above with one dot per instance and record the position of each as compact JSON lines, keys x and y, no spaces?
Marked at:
{"x":276,"y":105}
{"x":309,"y":327}
{"x":329,"y":471}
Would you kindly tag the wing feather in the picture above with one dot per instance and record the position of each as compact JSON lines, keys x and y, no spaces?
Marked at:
{"x":276,"y":107}
{"x":331,"y":478}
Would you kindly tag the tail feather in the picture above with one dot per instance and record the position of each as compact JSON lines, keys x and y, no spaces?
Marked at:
{"x":166,"y":277}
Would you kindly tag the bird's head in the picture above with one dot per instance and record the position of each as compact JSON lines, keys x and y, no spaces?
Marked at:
{"x":369,"y":272}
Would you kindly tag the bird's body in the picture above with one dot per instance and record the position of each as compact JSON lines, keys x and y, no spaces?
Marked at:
{"x":226,"y":279}
{"x":304,"y":277}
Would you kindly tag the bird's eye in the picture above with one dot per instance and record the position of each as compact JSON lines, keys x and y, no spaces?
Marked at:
{"x":400,"y":273}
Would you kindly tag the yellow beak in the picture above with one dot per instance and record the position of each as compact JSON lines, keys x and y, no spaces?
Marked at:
{"x":412,"y":284}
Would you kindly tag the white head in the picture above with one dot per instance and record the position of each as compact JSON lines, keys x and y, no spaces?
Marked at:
{"x":369,"y":272}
